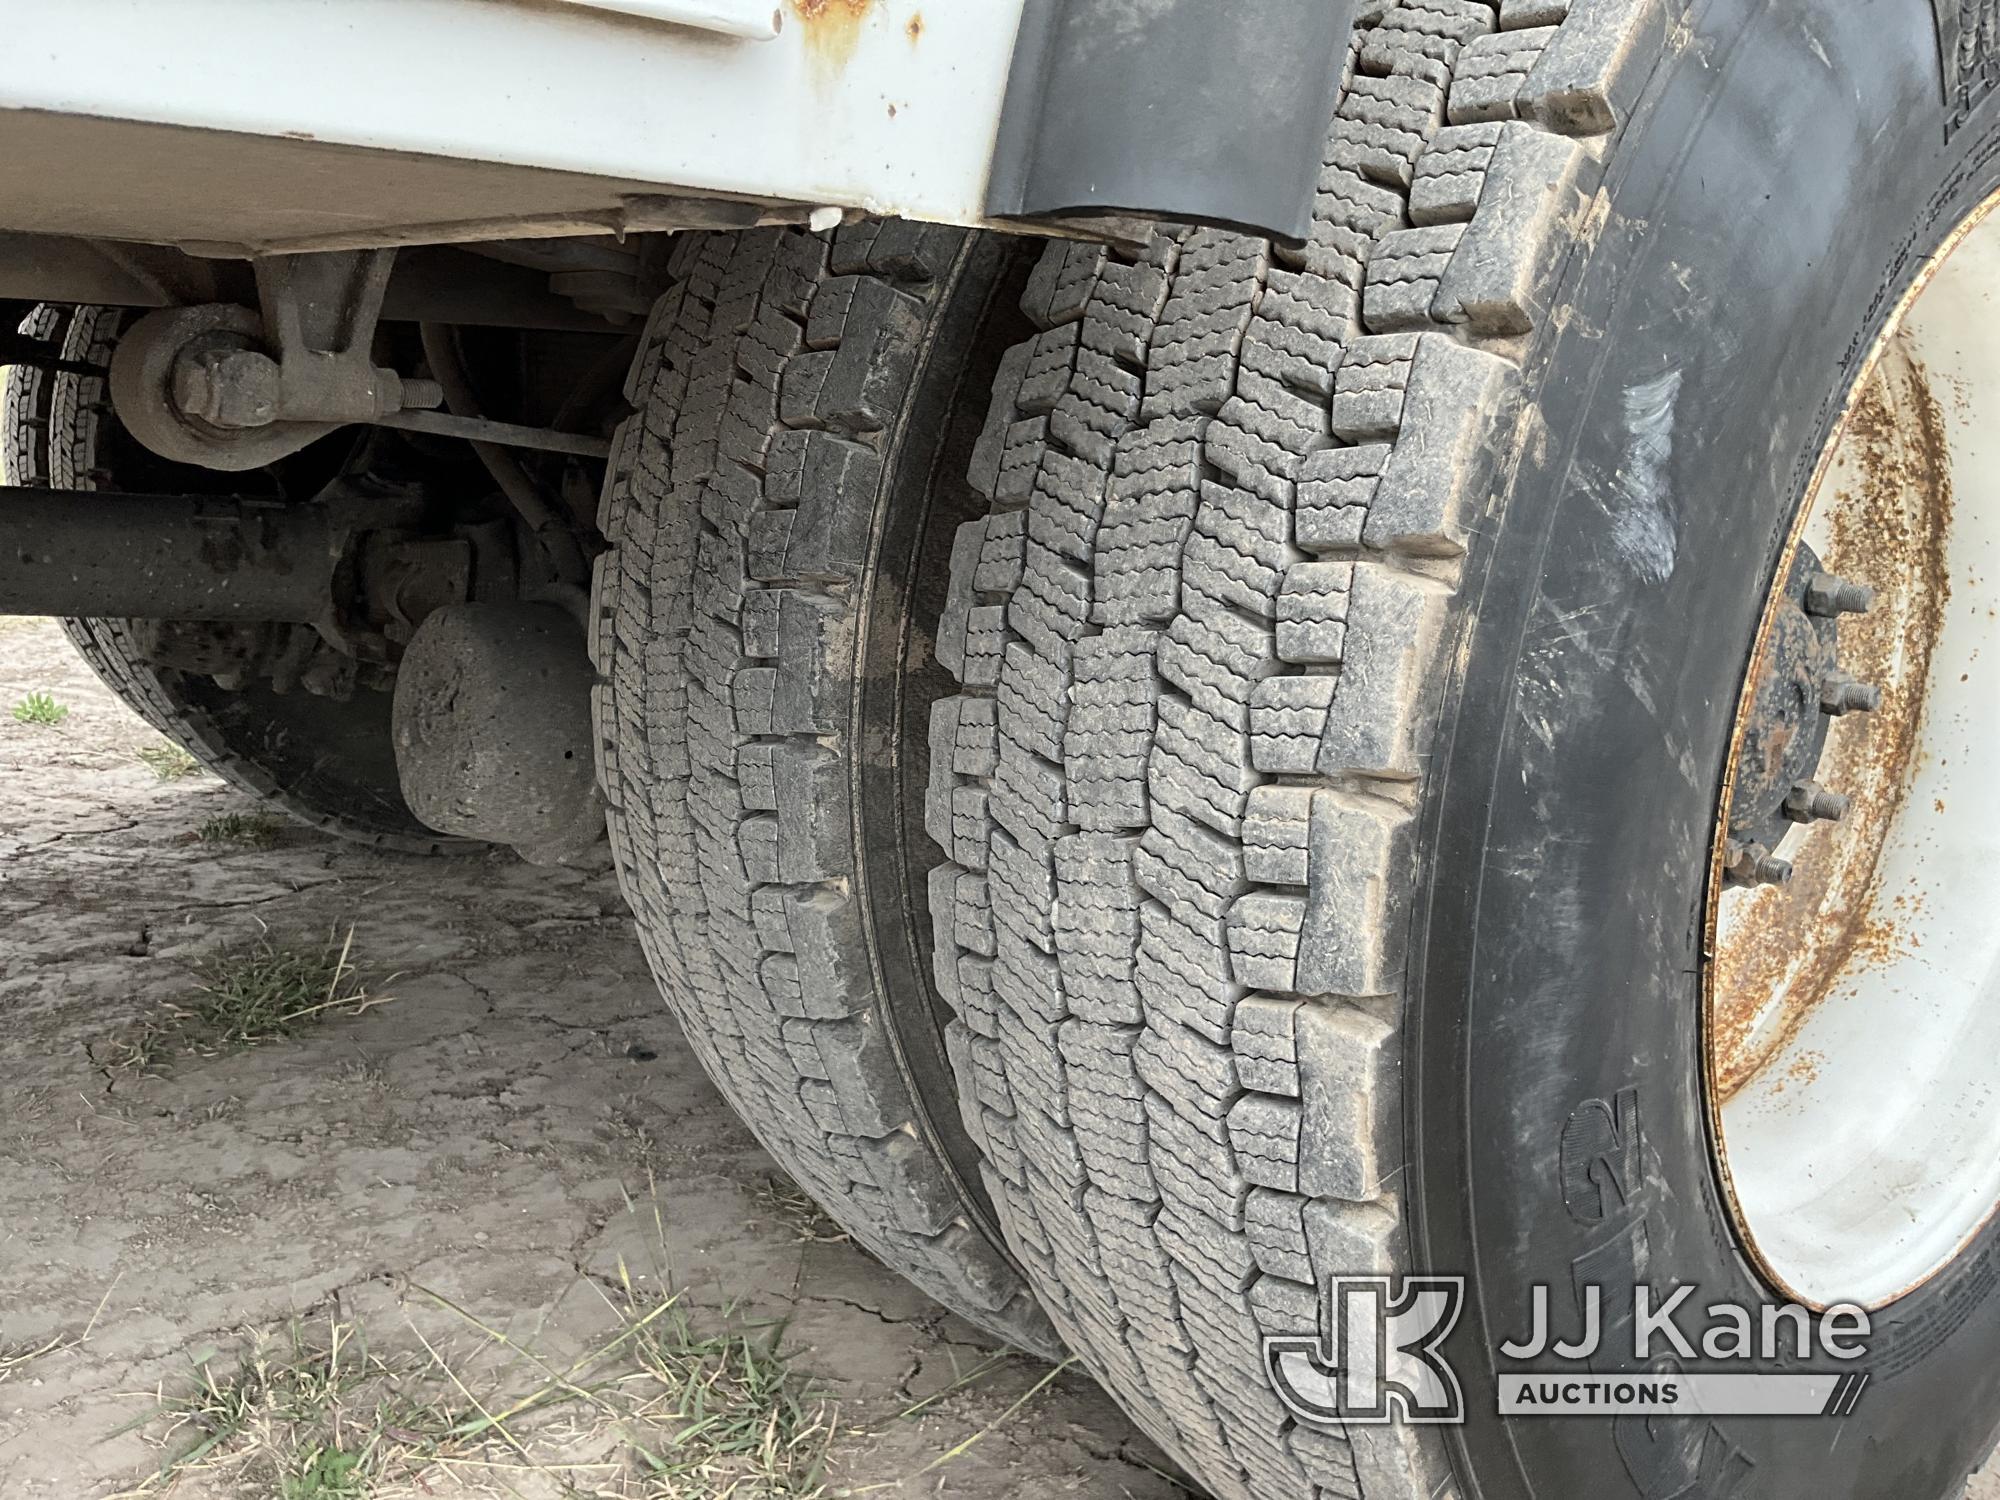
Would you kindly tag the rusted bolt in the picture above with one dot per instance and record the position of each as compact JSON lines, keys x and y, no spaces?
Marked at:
{"x":1841,"y":693}
{"x":1753,"y":864}
{"x":1810,"y":802}
{"x":1828,"y":595}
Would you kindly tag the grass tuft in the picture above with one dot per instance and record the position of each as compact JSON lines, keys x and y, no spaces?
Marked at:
{"x":246,"y":995}
{"x":261,"y":992}
{"x":168,"y":761}
{"x":662,"y":1410}
{"x":733,"y":1418}
{"x":40,"y":708}
{"x":670,"y":1403}
{"x":251,"y":830}
{"x":314,"y":1416}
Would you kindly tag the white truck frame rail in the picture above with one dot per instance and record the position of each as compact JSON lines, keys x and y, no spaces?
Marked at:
{"x":242,"y":128}
{"x":291,"y":125}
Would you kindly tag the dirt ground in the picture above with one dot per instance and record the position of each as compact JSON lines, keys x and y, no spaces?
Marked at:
{"x":477,"y":1179}
{"x":483,"y":1179}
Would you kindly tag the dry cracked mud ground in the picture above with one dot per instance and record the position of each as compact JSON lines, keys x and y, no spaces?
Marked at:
{"x":464,"y":1180}
{"x":476,"y":1184}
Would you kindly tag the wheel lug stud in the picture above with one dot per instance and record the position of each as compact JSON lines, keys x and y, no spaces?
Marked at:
{"x":1753,"y":864}
{"x":1828,"y":595}
{"x":1810,"y":802}
{"x":1840,"y":693}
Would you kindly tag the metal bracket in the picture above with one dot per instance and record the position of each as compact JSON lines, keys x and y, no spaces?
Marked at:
{"x":319,"y":314}
{"x":200,"y":385}
{"x":203,"y":385}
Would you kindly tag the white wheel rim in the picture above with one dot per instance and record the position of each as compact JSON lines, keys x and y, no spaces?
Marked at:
{"x":1852,"y":1018}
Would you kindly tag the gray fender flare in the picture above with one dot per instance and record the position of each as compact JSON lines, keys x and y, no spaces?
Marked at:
{"x":1194,"y":111}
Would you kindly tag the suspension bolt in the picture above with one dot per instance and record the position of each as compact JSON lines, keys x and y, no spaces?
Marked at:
{"x":234,"y":389}
{"x":1810,"y":802}
{"x":421,"y":395}
{"x":1752,"y":865}
{"x":1840,"y":693}
{"x":1828,"y":596}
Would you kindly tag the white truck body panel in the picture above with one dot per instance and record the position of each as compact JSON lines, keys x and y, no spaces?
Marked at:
{"x":341,"y":123}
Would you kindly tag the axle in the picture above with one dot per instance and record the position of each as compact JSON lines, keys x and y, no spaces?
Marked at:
{"x":164,"y":557}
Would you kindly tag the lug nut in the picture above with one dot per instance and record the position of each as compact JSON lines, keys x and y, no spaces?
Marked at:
{"x":1828,"y":595}
{"x":1752,"y":865}
{"x":1841,"y":693}
{"x":1810,"y":802}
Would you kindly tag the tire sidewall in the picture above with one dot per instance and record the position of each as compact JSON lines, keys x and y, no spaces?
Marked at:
{"x":1783,"y":180}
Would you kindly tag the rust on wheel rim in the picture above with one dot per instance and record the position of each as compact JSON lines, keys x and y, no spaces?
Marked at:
{"x":1850,"y":974}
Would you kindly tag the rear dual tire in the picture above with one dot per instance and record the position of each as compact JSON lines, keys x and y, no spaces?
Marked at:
{"x":1347,"y":641}
{"x":778,"y":510}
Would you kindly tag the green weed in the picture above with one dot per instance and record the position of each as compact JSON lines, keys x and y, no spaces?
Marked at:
{"x":40,"y":708}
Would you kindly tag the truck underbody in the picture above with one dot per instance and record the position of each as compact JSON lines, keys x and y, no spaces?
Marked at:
{"x":296,"y":250}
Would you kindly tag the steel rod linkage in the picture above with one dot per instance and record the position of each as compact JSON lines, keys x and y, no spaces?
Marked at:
{"x":164,"y":557}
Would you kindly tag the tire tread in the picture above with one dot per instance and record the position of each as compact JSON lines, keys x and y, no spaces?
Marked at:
{"x":1211,"y":711}
{"x":739,"y":510}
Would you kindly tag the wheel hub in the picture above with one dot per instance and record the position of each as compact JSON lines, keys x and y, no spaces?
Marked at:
{"x":1800,"y":688}
{"x":1851,"y":994}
